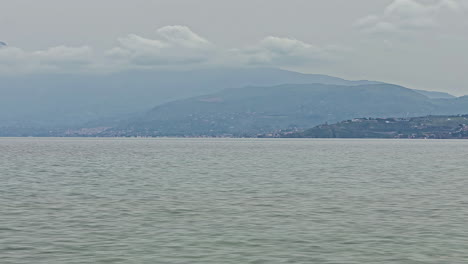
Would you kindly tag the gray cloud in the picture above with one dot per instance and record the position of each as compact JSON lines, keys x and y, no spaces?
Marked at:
{"x":61,"y":58}
{"x":173,"y":46}
{"x":64,"y":55}
{"x":418,"y":43}
{"x":409,"y":15}
{"x":277,"y":51}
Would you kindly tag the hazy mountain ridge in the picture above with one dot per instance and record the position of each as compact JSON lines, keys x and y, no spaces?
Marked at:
{"x":435,"y":95}
{"x":256,"y":110}
{"x":200,"y":102}
{"x":63,"y":100}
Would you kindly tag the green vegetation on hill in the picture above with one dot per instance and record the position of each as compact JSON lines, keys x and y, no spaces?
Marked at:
{"x":433,"y":127}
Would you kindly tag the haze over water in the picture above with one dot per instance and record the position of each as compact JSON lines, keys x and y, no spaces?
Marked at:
{"x":233,"y":201}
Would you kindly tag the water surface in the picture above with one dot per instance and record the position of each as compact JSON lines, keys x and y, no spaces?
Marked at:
{"x":233,"y":201}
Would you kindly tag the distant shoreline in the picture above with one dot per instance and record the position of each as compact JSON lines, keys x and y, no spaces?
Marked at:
{"x":246,"y":138}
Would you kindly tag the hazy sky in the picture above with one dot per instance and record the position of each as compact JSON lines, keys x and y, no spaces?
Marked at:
{"x":417,"y":43}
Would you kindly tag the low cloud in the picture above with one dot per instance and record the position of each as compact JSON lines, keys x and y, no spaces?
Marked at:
{"x":182,"y":36}
{"x":409,"y":15}
{"x":62,"y":54}
{"x":174,"y":45}
{"x":277,"y":51}
{"x":171,"y":47}
{"x":61,"y":58}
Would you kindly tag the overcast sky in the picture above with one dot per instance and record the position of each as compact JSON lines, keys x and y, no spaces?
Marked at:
{"x":416,"y":43}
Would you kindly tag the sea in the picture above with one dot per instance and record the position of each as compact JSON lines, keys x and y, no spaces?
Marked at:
{"x":233,"y":201}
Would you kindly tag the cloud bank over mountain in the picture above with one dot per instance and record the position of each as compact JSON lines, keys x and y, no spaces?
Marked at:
{"x":172,"y":46}
{"x":61,"y":58}
{"x":416,"y":43}
{"x":277,"y":51}
{"x":175,"y":45}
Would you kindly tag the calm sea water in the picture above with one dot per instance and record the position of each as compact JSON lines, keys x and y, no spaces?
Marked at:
{"x":233,"y":201}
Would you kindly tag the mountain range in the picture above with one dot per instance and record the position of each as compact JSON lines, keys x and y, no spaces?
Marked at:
{"x":64,"y":100}
{"x":211,"y":102}
{"x":255,"y":110}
